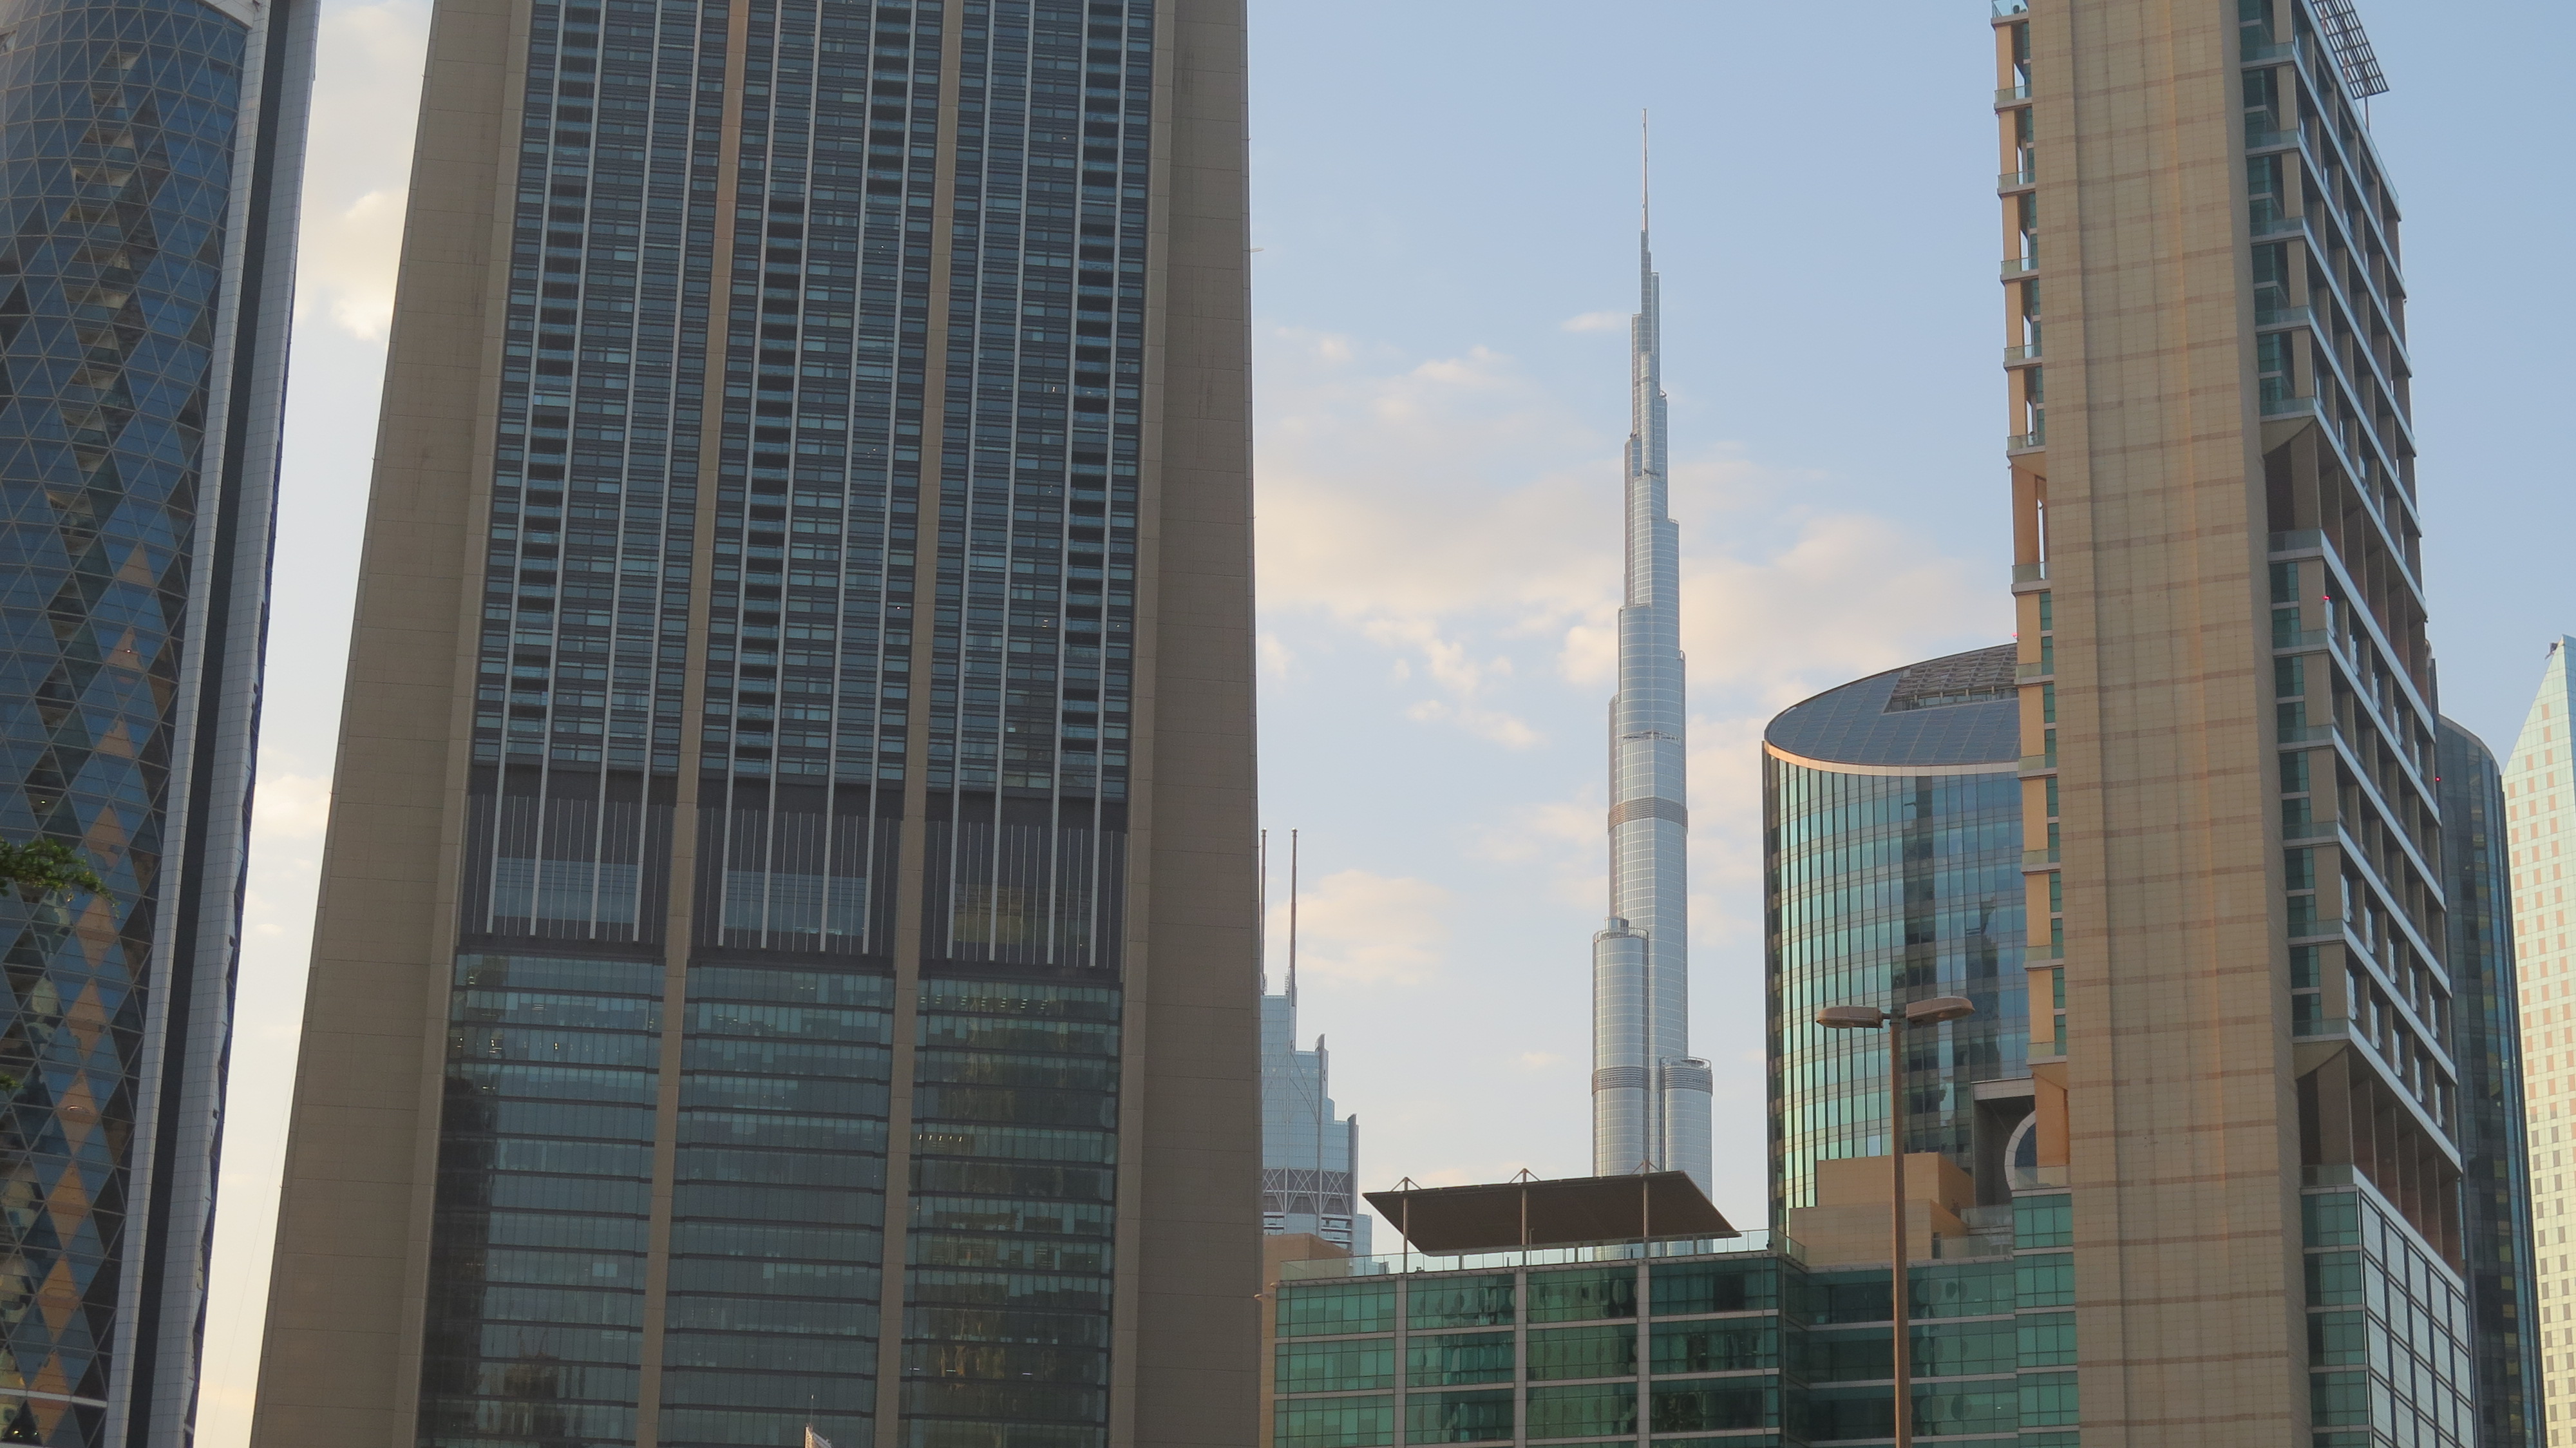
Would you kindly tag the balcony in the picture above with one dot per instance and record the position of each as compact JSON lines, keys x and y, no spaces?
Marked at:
{"x":2286,"y":317}
{"x":2021,"y":180}
{"x":2291,"y":407}
{"x":2017,"y":356}
{"x":2038,"y":763}
{"x":2016,"y":267}
{"x":2022,"y":442}
{"x":2006,"y":10}
{"x":2038,"y":859}
{"x":2012,"y":93}
{"x":2032,"y":673}
{"x":2029,"y":573}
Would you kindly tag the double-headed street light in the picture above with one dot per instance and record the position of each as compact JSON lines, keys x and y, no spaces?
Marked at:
{"x":1870,"y":1018}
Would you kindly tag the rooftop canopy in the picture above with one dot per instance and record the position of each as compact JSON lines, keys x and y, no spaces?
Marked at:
{"x":1644,"y":1207}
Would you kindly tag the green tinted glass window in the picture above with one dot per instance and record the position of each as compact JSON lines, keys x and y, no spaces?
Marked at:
{"x":1336,"y":1367}
{"x":2048,"y":1400}
{"x":2043,"y":1221}
{"x":1335,"y":1423}
{"x":1325,"y":1309}
{"x":1966,"y":1351}
{"x":1598,"y":1410}
{"x":1480,"y":1417}
{"x":2045,"y":1281}
{"x":1848,"y":1297}
{"x":1851,"y":1413}
{"x":1710,"y":1404}
{"x":1458,"y":1358}
{"x":2338,"y":1399}
{"x":2338,"y":1340}
{"x":1716,"y":1347}
{"x":1856,"y":1356}
{"x":2334,"y":1279}
{"x":1964,"y":1289}
{"x":2047,"y":1340}
{"x":1463,"y":1302}
{"x":2332,"y":1220}
{"x":1986,"y":1408}
{"x":1582,"y":1352}
{"x":1683,"y":1289}
{"x":1583,"y":1296}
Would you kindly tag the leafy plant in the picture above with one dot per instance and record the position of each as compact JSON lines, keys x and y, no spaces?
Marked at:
{"x":43,"y":869}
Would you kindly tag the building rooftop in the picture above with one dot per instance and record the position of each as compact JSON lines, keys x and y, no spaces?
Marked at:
{"x":1959,"y":713}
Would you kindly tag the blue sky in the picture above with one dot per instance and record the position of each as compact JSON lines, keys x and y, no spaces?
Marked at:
{"x":1445,"y":198}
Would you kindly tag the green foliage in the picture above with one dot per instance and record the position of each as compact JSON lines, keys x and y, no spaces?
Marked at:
{"x":45,"y":869}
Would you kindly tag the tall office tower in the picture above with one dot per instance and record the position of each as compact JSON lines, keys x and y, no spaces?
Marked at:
{"x":787,"y":945}
{"x":1310,"y":1158}
{"x":1650,"y":1096}
{"x":151,"y":156}
{"x":2504,"y":1294}
{"x":2228,"y":712}
{"x":2540,"y":810}
{"x":1892,"y":871}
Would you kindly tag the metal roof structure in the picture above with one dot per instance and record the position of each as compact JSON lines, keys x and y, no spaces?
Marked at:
{"x":2351,"y":46}
{"x":1574,"y":1211}
{"x":1958,"y":714}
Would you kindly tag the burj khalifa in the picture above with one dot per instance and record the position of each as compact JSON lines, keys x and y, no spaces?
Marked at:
{"x":1650,"y":1096}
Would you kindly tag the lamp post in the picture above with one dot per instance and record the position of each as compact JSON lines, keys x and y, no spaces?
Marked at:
{"x":1870,"y":1018}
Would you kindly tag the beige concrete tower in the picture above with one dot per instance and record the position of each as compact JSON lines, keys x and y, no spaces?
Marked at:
{"x":2228,"y":721}
{"x":2540,"y":813}
{"x":786,"y":958}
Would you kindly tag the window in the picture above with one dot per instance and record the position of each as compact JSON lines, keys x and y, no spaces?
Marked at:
{"x":2339,"y":1399}
{"x":2046,"y":1281}
{"x":1583,"y":1352}
{"x":1582,"y":1296}
{"x":2043,"y":1221}
{"x":1319,"y":1311}
{"x":1684,"y":1290}
{"x":1472,"y":1302}
{"x":2047,"y":1340}
{"x":2048,"y":1400}
{"x":1480,"y":1417}
{"x":1708,"y":1405}
{"x":1455,"y":1359}
{"x":1593,"y":1411}
{"x":1336,"y":1367}
{"x":1716,"y":1347}
{"x":1339,"y":1423}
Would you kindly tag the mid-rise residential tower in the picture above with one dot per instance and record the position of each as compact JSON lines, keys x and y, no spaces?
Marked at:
{"x":787,"y":953}
{"x":2229,"y":727}
{"x":151,"y":157}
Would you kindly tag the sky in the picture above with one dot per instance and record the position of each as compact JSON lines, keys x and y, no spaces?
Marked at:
{"x":1445,"y":197}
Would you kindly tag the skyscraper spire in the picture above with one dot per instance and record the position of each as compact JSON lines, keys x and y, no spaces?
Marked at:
{"x":1650,"y":1096}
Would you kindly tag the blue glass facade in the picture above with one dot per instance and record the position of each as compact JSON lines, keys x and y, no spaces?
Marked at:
{"x":1892,"y":855}
{"x":2496,"y":1206}
{"x":148,"y":168}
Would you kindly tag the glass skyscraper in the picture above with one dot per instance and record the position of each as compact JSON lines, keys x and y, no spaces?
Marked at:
{"x":1309,"y":1155}
{"x":150,"y":163}
{"x":1892,"y":871}
{"x":2505,"y":1308}
{"x":787,"y":954}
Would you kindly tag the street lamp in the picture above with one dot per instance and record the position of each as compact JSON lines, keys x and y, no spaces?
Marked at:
{"x":1870,"y":1018}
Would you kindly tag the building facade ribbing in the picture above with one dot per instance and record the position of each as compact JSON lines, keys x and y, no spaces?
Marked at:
{"x":796,"y":783}
{"x":150,"y":165}
{"x":1650,"y":1096}
{"x":2228,"y":722}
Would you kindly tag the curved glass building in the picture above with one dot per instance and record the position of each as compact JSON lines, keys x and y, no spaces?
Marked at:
{"x":150,"y":161}
{"x":1892,"y":854}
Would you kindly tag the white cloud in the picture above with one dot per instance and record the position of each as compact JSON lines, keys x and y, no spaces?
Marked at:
{"x":1368,"y":929}
{"x":1597,"y":322}
{"x":366,"y":96}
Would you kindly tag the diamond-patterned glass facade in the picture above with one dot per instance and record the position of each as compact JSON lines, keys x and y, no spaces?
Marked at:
{"x":818,"y":315}
{"x":117,"y":167}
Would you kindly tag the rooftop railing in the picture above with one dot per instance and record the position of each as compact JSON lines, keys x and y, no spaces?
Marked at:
{"x":1389,"y":1263}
